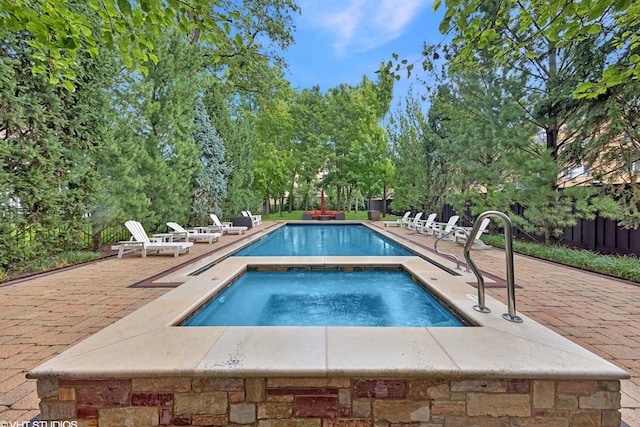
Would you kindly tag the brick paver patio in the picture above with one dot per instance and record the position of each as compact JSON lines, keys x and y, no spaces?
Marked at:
{"x":42,"y":316}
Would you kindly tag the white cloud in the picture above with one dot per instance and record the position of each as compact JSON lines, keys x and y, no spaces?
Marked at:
{"x":361,"y":25}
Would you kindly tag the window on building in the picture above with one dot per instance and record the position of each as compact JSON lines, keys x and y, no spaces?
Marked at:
{"x":576,"y":172}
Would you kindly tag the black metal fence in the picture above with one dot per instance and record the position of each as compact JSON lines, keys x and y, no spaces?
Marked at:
{"x":24,"y":235}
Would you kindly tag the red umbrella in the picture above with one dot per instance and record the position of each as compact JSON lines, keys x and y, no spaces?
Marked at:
{"x":322,"y":211}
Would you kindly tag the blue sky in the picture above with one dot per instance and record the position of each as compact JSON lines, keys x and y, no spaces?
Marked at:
{"x":339,"y":41}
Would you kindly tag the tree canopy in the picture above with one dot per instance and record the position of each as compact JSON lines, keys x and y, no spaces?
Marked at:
{"x":107,"y":105}
{"x":510,"y":29}
{"x":59,"y":30}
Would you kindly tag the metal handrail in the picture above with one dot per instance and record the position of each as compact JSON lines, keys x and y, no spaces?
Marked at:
{"x":435,"y":247}
{"x":508,"y":248}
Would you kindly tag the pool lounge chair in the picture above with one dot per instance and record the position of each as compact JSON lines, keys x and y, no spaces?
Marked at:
{"x":461,"y":235}
{"x":398,"y":222}
{"x":255,"y":219}
{"x":441,"y":229}
{"x":195,"y":235}
{"x":413,"y":222}
{"x":140,"y":241}
{"x":425,"y":226}
{"x":225,"y":227}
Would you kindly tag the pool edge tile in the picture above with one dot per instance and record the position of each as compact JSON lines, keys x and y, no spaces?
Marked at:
{"x":391,"y":351}
{"x":286,"y":351}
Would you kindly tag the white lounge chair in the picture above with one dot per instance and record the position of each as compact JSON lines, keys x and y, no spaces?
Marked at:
{"x":398,"y":222}
{"x":442,"y":229}
{"x":425,"y":226}
{"x":461,"y":234}
{"x":255,"y":219}
{"x":226,"y":227}
{"x":140,"y":241}
{"x":413,"y":222}
{"x":195,"y":235}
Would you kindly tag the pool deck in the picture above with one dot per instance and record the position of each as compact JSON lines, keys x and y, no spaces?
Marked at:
{"x":45,"y":315}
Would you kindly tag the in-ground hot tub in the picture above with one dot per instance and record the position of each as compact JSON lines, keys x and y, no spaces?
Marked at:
{"x":329,"y":297}
{"x":146,"y":370}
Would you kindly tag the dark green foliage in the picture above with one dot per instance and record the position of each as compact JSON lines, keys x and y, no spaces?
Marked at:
{"x":607,"y":128}
{"x":151,"y":160}
{"x":48,"y":134}
{"x":240,"y":152}
{"x":211,"y":183}
{"x":120,"y":146}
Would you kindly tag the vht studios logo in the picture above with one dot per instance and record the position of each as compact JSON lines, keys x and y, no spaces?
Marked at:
{"x":38,"y":423}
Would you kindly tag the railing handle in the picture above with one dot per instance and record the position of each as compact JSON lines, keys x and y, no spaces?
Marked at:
{"x":508,"y":247}
{"x":452,"y":256}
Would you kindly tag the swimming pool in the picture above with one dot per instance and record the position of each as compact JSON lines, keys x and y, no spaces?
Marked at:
{"x":324,"y":240}
{"x":324,"y":298}
{"x":149,"y":369}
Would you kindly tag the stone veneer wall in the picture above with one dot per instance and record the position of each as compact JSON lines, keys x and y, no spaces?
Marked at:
{"x":330,"y":402}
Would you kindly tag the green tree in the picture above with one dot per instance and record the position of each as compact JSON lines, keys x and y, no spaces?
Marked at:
{"x":358,"y":141}
{"x":152,"y":139}
{"x":484,"y":135}
{"x":495,"y":159}
{"x":511,"y":29}
{"x":239,"y":137}
{"x":211,"y":183}
{"x":308,"y":113}
{"x":275,"y":167}
{"x":48,"y":137}
{"x":421,"y":181}
{"x":608,"y":143}
{"x":553,"y":66}
{"x":58,"y":31}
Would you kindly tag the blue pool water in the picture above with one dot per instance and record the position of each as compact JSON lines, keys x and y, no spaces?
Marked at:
{"x":324,"y":298}
{"x":324,"y":240}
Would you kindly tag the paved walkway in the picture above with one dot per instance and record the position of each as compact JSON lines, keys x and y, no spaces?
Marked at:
{"x":42,"y":316}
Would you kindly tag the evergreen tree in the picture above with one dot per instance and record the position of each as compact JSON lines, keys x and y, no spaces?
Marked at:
{"x":420,"y":182}
{"x":239,"y":139}
{"x":211,"y":183}
{"x":48,"y":135}
{"x":151,"y":160}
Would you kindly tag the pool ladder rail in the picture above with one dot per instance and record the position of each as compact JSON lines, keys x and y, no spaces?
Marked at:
{"x":508,"y":248}
{"x":452,"y":256}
